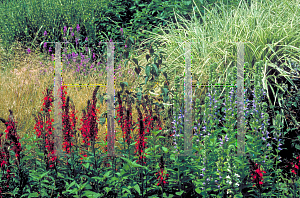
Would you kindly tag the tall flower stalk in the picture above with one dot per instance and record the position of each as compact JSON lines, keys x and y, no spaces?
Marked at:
{"x":13,"y":138}
{"x":124,"y":118}
{"x":44,"y":129}
{"x":11,"y":135}
{"x":140,"y":145}
{"x":68,"y":126}
{"x":162,"y":175}
{"x":89,"y":127}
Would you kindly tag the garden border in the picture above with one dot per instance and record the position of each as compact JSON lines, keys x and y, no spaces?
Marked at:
{"x":187,"y":96}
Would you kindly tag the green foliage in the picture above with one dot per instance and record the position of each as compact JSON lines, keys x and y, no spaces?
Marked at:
{"x":82,"y":180}
{"x":134,"y":16}
{"x":99,"y":21}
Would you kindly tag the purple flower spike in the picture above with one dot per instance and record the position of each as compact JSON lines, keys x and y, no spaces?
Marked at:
{"x":28,"y":51}
{"x":45,"y":33}
{"x":65,"y":29}
{"x":121,"y":30}
{"x":45,"y":45}
{"x":86,"y":39}
{"x":78,"y":28}
{"x":72,"y":34}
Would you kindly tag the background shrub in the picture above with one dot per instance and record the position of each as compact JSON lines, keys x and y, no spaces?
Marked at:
{"x":98,"y":20}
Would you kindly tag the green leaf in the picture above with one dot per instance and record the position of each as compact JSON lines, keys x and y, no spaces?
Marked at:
{"x":102,"y":121}
{"x":113,"y":179}
{"x":148,"y":71}
{"x":106,"y":189}
{"x":155,"y":69}
{"x":225,"y":129}
{"x":123,"y":84}
{"x":187,"y":2}
{"x":91,"y":194}
{"x":165,"y":149}
{"x":72,"y":184}
{"x":45,"y":181}
{"x":127,"y":160}
{"x":147,"y":57}
{"x":107,"y":174}
{"x":248,"y":137}
{"x":35,"y":194}
{"x":41,"y":176}
{"x":83,"y":186}
{"x":165,"y":90}
{"x":86,"y":165}
{"x":126,"y":189}
{"x":98,"y":178}
{"x":156,"y":132}
{"x":26,"y":158}
{"x":60,"y":175}
{"x":135,"y":61}
{"x":146,"y":79}
{"x":179,"y":193}
{"x":137,"y":188}
{"x":101,"y":99}
{"x":134,"y":164}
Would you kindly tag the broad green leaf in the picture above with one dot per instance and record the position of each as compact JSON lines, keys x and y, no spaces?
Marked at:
{"x":107,"y":174}
{"x":72,"y":184}
{"x":35,"y":194}
{"x":91,"y":194}
{"x":41,"y":176}
{"x":155,"y":69}
{"x":137,"y":188}
{"x":179,"y":193}
{"x":198,"y":190}
{"x":165,"y":149}
{"x":148,"y":70}
{"x":28,"y":147}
